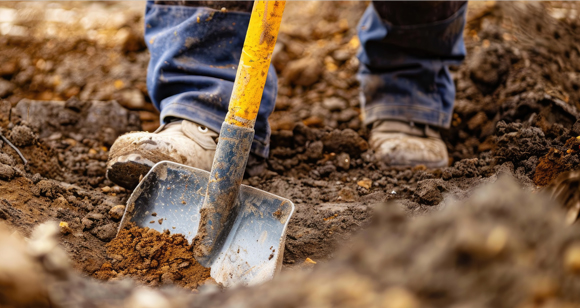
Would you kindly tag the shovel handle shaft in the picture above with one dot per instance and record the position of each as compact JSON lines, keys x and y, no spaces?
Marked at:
{"x":220,"y":207}
{"x":255,"y":62}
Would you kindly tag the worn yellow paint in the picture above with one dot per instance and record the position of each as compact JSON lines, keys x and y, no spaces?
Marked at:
{"x":255,"y":62}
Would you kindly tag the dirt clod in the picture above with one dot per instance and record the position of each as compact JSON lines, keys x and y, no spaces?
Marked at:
{"x":117,"y":212}
{"x":6,"y":172}
{"x":22,"y":135}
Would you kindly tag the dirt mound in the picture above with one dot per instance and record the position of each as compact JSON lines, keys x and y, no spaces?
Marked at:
{"x":503,"y":247}
{"x":153,"y":258}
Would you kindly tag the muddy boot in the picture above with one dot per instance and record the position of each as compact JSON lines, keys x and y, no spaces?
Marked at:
{"x":406,"y":144}
{"x":184,"y":142}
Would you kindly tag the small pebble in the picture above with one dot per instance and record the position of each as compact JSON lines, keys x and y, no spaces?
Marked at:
{"x":64,"y":228}
{"x":117,"y":211}
{"x":365,"y":183}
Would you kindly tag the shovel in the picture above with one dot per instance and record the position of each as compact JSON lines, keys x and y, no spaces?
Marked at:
{"x":237,"y":230}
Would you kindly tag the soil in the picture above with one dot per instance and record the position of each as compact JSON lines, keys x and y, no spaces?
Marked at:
{"x":153,"y":258}
{"x":516,"y":114}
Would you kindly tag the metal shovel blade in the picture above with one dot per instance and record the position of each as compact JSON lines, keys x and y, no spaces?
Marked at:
{"x":173,"y":194}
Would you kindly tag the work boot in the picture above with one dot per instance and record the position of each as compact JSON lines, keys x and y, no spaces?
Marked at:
{"x":184,"y":142}
{"x":399,"y":143}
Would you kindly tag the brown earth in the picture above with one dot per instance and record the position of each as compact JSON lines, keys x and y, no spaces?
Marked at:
{"x":516,"y":114}
{"x":153,"y":258}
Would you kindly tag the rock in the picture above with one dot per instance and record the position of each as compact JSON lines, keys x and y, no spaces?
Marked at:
{"x":64,"y":228}
{"x":131,"y":98}
{"x":477,"y":121}
{"x":347,"y":115}
{"x":106,"y":189}
{"x":326,"y":170}
{"x":6,"y":172}
{"x":365,"y":183}
{"x":36,"y":178}
{"x":303,"y":72}
{"x":343,"y":161}
{"x":314,"y":150}
{"x":6,"y":159}
{"x":95,"y":216}
{"x":167,"y":278}
{"x":22,"y":136}
{"x":117,"y":212}
{"x":105,"y":233}
{"x":47,"y":188}
{"x":334,"y":104}
{"x":6,"y":88}
{"x":314,"y":121}
{"x":60,"y":202}
{"x":429,"y":191}
{"x":117,"y":189}
{"x":347,"y":194}
{"x":346,"y":140}
{"x":87,"y":223}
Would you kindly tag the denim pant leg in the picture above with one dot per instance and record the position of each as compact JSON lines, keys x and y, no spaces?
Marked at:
{"x":404,"y":71}
{"x":195,"y":53}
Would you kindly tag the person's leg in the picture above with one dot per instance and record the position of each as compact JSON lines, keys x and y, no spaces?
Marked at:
{"x":195,"y":49}
{"x":405,"y":81}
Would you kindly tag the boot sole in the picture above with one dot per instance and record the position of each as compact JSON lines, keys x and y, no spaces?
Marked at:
{"x":127,"y":174}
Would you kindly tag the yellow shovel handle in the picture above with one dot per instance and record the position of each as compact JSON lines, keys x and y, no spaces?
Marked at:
{"x":255,"y":62}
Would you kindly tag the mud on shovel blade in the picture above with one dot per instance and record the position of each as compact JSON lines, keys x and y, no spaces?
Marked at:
{"x":253,"y":249}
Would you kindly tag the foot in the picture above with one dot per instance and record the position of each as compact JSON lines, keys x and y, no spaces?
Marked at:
{"x":404,"y":144}
{"x":184,"y":142}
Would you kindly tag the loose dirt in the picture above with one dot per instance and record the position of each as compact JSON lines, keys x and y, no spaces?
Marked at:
{"x":153,"y":258}
{"x":516,"y":114}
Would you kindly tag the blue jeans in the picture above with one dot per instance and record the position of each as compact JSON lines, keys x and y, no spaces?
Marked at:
{"x":195,"y":53}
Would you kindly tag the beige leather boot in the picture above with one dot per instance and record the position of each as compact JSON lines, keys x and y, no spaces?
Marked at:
{"x":399,"y":143}
{"x":184,"y":142}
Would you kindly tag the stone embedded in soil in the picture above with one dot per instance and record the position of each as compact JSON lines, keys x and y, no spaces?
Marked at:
{"x":346,"y":140}
{"x":6,"y":172}
{"x":303,"y":72}
{"x":365,"y":183}
{"x":117,"y":212}
{"x":6,"y":159}
{"x":343,"y":161}
{"x":22,"y":136}
{"x":106,"y":232}
{"x":87,"y":223}
{"x":152,"y":257}
{"x":334,"y":104}
{"x":314,"y":150}
{"x":6,"y":88}
{"x":347,"y":194}
{"x":429,"y":191}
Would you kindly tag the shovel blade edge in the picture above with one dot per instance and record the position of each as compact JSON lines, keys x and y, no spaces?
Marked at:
{"x":169,"y":198}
